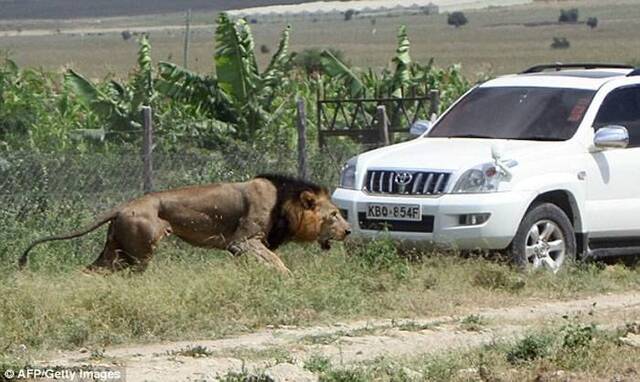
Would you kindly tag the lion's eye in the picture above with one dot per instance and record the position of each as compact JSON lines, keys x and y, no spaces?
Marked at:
{"x":334,"y":214}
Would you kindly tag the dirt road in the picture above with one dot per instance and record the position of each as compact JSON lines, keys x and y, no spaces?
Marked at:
{"x":351,"y":342}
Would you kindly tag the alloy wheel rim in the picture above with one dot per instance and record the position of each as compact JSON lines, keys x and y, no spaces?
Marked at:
{"x":545,"y":246}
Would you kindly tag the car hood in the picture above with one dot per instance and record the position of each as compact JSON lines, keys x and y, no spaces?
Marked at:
{"x":456,"y":153}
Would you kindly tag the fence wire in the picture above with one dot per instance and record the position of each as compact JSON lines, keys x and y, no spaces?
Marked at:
{"x":33,"y":183}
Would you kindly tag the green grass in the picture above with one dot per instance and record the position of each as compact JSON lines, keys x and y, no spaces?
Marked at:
{"x":194,"y":294}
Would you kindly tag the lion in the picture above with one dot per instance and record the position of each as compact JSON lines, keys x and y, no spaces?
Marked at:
{"x":254,"y":217}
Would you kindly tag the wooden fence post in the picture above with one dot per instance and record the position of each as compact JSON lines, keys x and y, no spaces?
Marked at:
{"x":303,"y":171}
{"x":434,"y":97}
{"x":187,"y":37}
{"x":319,"y":96}
{"x":147,"y":148}
{"x":382,"y":125}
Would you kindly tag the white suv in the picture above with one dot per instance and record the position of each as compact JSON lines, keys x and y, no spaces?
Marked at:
{"x":544,"y":164}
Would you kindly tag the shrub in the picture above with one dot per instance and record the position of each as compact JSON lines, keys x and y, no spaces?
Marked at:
{"x":568,"y":15}
{"x":560,"y":43}
{"x":243,"y":376}
{"x":380,"y":253}
{"x":592,"y":22}
{"x":577,"y":337}
{"x":457,"y":19}
{"x":126,"y":35}
{"x":531,"y":347}
{"x":264,"y":49}
{"x":345,"y":375}
{"x":318,"y":364}
{"x":472,"y":323}
{"x":197,"y":351}
{"x":440,"y":368}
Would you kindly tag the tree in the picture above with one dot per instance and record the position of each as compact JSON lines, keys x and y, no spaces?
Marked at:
{"x":568,"y":15}
{"x":348,"y":15}
{"x":457,"y":19}
{"x":592,"y":22}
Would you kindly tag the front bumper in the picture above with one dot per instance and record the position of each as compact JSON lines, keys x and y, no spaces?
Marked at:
{"x":506,"y":210}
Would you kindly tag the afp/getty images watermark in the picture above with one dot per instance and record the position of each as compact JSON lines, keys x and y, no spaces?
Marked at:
{"x":73,"y":374}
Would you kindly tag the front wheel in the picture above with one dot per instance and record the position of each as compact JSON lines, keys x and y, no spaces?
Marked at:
{"x":544,"y":239}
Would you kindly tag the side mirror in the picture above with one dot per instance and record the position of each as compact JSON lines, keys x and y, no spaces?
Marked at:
{"x":611,"y":137}
{"x":420,"y":127}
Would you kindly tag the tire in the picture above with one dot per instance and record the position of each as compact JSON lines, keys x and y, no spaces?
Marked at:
{"x":555,"y":245}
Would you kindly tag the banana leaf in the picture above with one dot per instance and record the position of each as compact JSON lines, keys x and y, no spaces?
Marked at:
{"x":337,"y":69}
{"x":203,"y":92}
{"x":402,"y":60}
{"x":276,"y":72}
{"x":236,"y":68}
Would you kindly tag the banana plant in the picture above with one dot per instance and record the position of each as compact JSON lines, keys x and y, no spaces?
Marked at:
{"x":30,"y":112}
{"x":120,"y":105}
{"x":450,"y":82}
{"x":239,"y":93}
{"x":252,"y":93}
{"x":201,"y":92}
{"x":404,"y":74}
{"x":360,"y":83}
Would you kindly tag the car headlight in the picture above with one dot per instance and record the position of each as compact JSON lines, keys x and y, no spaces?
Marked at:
{"x":484,"y":178}
{"x":348,"y":174}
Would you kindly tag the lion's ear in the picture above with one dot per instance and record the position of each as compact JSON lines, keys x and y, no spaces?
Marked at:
{"x":308,"y":200}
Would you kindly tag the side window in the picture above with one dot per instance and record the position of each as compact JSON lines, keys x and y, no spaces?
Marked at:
{"x":622,"y":107}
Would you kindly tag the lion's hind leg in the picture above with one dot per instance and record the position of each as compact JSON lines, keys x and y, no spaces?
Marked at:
{"x":131,"y":241}
{"x":110,"y":259}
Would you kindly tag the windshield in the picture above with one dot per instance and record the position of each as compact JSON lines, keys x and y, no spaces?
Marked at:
{"x":527,"y":113}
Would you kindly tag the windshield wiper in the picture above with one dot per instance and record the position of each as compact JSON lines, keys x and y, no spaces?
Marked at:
{"x":539,"y":138}
{"x":470,"y":136}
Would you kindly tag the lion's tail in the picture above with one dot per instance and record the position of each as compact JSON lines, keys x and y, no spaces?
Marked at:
{"x":102,"y":220}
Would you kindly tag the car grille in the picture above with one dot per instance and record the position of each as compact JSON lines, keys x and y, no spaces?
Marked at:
{"x":425,"y":225}
{"x":420,"y":183}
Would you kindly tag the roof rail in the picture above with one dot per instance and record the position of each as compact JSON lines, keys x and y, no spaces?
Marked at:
{"x":560,"y":66}
{"x":635,"y":72}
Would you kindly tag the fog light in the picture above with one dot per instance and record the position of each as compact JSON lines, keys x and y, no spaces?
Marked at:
{"x":474,"y":219}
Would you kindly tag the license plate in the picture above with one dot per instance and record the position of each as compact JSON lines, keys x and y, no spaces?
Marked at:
{"x":411,"y":212}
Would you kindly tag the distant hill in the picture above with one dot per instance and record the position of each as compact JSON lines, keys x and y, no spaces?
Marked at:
{"x":70,"y":9}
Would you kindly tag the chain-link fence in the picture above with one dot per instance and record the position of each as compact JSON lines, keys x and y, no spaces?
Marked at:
{"x":31,"y":182}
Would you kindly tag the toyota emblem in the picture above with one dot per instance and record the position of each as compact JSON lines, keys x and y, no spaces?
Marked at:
{"x":403,"y":178}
